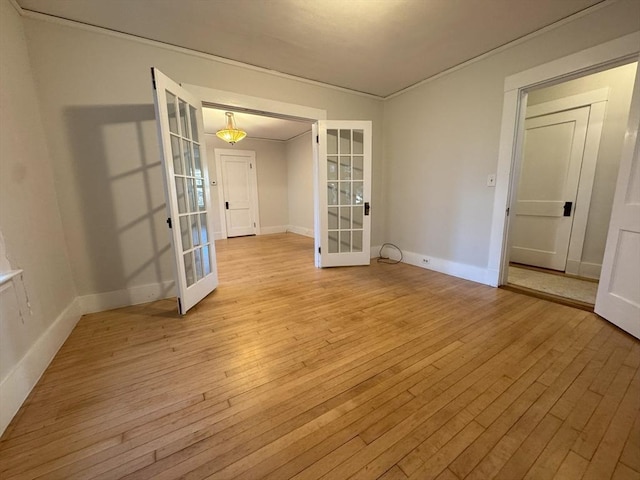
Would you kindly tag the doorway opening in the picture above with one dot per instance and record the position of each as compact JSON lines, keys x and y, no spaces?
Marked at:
{"x":564,"y":184}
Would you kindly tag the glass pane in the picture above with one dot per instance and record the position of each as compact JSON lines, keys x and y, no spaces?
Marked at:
{"x":177,"y":158}
{"x":332,"y":193}
{"x":358,"y":167}
{"x":358,"y":193}
{"x":345,"y":242}
{"x":171,"y":111}
{"x":191,"y":193}
{"x":345,"y":142}
{"x":188,"y":165}
{"x":184,"y":233}
{"x":183,"y":119}
{"x":345,"y":168}
{"x":356,"y":239}
{"x":204,"y":233}
{"x":196,"y":160}
{"x":194,"y":123}
{"x":332,"y":142}
{"x":180,"y":195}
{"x":333,"y":218}
{"x":333,"y":242}
{"x":358,"y":215}
{"x":188,"y":268}
{"x":345,"y":218}
{"x":206,"y":260}
{"x":195,"y":229}
{"x":345,"y":193}
{"x":332,"y":168}
{"x":358,"y":142}
{"x":200,"y":192}
{"x":198,"y":256}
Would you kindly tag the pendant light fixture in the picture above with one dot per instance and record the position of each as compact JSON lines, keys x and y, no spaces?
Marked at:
{"x":230,"y":133}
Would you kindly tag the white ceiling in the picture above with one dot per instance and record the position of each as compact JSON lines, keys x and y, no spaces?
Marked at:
{"x":375,"y":46}
{"x":256,"y":126}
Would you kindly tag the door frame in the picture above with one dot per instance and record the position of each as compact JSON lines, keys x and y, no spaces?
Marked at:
{"x":232,"y":101}
{"x":616,"y":52}
{"x":253,"y":180}
{"x":596,"y":100}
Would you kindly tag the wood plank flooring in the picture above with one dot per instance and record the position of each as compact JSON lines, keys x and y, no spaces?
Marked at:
{"x":290,"y":372}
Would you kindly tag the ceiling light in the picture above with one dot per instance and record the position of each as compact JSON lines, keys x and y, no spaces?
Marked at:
{"x":230,"y":133}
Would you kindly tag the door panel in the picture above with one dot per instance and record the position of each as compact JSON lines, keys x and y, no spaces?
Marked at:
{"x":553,"y":152}
{"x":618,"y":298}
{"x":180,"y":132}
{"x":344,"y":186}
{"x":238,"y":177}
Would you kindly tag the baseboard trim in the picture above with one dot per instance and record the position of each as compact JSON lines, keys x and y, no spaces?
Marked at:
{"x":17,"y":385}
{"x":307,"y":232}
{"x":99,"y":302}
{"x":273,"y":229}
{"x":583,"y":269}
{"x":455,"y":269}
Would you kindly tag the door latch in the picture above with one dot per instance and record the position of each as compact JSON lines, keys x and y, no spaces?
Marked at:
{"x":367,"y":207}
{"x":567,"y":209}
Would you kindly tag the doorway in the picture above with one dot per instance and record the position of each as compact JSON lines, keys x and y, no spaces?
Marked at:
{"x":573,"y":137}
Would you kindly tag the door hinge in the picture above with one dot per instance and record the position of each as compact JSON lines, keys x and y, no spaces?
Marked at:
{"x":179,"y":306}
{"x":169,"y":222}
{"x":367,"y":207}
{"x":250,"y":166}
{"x":319,"y":250}
{"x":567,"y":209}
{"x":153,"y":78}
{"x":317,"y":138}
{"x":226,"y":205}
{"x":254,"y":224}
{"x":507,"y":211}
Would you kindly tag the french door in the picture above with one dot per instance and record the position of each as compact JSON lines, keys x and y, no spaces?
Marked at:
{"x":186,"y":180}
{"x":344,"y":193}
{"x":618,"y":298}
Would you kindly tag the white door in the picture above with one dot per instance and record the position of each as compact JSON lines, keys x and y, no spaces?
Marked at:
{"x":344,"y":193}
{"x":239,"y":191}
{"x":618,"y":298}
{"x":547,"y":189}
{"x":186,"y":180}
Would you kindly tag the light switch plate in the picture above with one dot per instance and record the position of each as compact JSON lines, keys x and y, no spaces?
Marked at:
{"x":491,"y":180}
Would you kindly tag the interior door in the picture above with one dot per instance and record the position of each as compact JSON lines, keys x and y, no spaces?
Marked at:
{"x":618,"y":298}
{"x":344,"y":186}
{"x":186,"y":180}
{"x":547,"y":189}
{"x":238,"y":178}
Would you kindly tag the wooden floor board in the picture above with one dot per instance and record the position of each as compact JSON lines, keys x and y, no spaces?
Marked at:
{"x":286,"y":371}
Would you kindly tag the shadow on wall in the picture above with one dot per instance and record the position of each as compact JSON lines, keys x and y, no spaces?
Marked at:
{"x":116,"y":231}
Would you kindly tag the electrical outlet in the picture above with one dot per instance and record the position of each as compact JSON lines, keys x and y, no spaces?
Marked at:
{"x":426,"y":261}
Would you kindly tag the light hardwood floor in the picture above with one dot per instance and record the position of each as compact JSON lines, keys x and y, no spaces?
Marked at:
{"x":286,"y":371}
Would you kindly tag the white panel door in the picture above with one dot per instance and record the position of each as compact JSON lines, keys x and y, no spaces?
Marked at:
{"x":618,"y":298}
{"x":344,"y":186}
{"x":238,"y":178}
{"x":547,"y":189}
{"x":180,"y":132}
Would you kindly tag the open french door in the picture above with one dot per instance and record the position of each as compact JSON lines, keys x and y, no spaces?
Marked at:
{"x":344,"y":193}
{"x":186,"y":180}
{"x":618,"y":298}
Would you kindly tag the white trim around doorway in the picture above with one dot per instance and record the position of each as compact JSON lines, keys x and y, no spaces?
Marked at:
{"x":616,"y":52}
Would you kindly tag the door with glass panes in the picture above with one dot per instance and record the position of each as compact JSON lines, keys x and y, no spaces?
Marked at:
{"x":344,"y":188}
{"x":180,"y":132}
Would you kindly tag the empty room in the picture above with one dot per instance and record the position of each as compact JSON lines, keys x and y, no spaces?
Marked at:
{"x":294,"y":239}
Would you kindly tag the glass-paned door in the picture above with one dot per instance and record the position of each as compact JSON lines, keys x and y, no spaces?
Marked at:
{"x":186,"y":180}
{"x":344,"y":187}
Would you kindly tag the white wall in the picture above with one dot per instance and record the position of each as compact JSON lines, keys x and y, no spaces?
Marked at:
{"x":442,"y":138}
{"x":271,"y":169}
{"x":620,"y":83}
{"x":299,"y":153}
{"x":37,"y":309}
{"x":95,"y":94}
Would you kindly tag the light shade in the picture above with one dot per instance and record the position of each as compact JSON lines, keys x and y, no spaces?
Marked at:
{"x":230,"y":133}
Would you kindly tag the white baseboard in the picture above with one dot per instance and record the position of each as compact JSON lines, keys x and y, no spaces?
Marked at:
{"x":583,"y":269}
{"x":460,"y":270}
{"x":99,"y":302}
{"x":307,"y":232}
{"x":375,"y":251}
{"x":273,"y":229}
{"x":218,"y":236}
{"x":17,"y":385}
